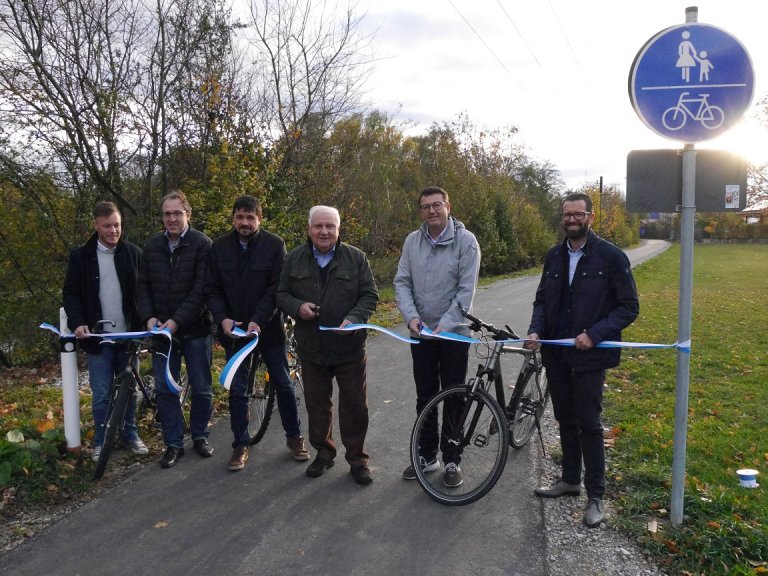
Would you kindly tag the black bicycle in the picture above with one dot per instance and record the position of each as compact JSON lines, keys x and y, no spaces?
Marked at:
{"x":127,"y":384}
{"x":261,"y":393}
{"x":478,"y":427}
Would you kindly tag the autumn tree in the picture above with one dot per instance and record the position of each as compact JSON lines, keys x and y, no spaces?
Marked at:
{"x":311,"y":62}
{"x":612,"y":220}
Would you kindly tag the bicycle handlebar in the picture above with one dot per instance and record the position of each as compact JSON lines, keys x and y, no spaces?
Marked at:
{"x":100,"y":324}
{"x":476,"y":325}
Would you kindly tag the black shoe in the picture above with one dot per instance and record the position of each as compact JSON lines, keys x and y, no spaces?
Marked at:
{"x":558,"y":489}
{"x":318,"y":467}
{"x":172,"y":454}
{"x":203,"y":448}
{"x":362,"y":474}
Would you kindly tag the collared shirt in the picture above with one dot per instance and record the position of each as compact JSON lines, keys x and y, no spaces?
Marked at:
{"x":574,"y":257}
{"x":434,"y":241}
{"x":105,"y":249}
{"x":323,"y":259}
{"x":173,"y":243}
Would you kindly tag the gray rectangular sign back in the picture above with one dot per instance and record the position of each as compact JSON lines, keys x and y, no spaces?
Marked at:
{"x":655,"y":181}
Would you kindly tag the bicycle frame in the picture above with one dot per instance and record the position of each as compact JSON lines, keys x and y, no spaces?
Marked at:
{"x":474,"y":425}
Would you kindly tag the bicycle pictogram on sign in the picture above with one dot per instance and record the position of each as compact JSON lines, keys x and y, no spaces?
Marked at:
{"x":675,"y":117}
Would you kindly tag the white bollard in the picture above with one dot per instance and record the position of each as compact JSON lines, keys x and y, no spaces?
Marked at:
{"x":70,"y":392}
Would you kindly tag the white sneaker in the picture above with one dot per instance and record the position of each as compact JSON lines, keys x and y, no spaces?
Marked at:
{"x":138,"y":447}
{"x":410,"y":474}
{"x":95,"y":453}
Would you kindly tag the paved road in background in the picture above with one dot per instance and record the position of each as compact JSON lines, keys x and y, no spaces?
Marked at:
{"x":271,"y":519}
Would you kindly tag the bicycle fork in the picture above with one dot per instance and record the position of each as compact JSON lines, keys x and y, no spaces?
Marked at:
{"x":460,"y":435}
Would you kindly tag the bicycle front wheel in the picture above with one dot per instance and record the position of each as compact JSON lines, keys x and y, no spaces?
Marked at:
{"x":526,"y":408}
{"x":470,"y":429}
{"x":261,"y":400}
{"x":115,"y":419}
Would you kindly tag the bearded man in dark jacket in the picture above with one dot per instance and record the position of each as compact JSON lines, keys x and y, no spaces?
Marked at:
{"x":243,"y":273}
{"x":587,"y":293}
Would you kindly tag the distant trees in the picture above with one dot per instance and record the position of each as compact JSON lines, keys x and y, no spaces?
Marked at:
{"x":125,"y":100}
{"x":612,"y":221}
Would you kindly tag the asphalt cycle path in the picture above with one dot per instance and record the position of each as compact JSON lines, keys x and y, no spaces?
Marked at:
{"x":271,"y":519}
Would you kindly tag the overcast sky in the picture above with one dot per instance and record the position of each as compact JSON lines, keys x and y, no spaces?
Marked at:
{"x":557,"y":69}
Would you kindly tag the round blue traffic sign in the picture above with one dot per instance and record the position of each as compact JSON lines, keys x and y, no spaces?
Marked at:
{"x":691,"y":82}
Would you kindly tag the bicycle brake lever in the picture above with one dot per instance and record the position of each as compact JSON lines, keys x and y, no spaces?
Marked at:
{"x":511,"y":332}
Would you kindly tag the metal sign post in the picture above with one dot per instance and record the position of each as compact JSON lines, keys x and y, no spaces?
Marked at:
{"x":689,"y":83}
{"x":682,"y":378}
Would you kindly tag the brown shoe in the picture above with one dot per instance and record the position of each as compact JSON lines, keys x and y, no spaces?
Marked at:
{"x":296,"y":446}
{"x":239,"y":458}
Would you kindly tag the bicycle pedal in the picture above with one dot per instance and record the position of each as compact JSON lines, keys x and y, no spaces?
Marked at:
{"x":480,"y":440}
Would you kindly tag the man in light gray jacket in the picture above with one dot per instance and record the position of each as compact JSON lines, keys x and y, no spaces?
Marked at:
{"x":438,"y":268}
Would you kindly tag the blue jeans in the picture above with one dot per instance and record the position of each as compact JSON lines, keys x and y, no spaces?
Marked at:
{"x":102,"y":369}
{"x":197,"y":356}
{"x":277,"y":366}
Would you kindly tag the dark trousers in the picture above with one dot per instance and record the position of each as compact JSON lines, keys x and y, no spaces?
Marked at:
{"x":437,"y":365}
{"x":577,"y":401}
{"x":353,"y":408}
{"x":277,"y":367}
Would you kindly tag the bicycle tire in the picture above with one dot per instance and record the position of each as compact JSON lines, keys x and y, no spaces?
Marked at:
{"x":115,"y":420}
{"x":148,"y":403}
{"x":298,"y":385}
{"x":482,"y":459}
{"x":261,"y":401}
{"x":184,"y":396}
{"x":526,"y":409}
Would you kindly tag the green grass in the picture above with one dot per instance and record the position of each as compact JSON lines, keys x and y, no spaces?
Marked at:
{"x":725,"y":527}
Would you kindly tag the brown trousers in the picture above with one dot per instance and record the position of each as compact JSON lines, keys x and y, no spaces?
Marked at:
{"x":353,"y":408}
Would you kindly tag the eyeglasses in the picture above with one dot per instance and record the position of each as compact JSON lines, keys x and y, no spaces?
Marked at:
{"x":578,"y":216}
{"x":434,"y":206}
{"x":175,"y":213}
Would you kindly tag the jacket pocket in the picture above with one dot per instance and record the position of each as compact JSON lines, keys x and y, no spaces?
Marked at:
{"x":344,"y":286}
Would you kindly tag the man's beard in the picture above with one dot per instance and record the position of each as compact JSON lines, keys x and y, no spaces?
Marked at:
{"x":577,"y":233}
{"x":246,"y":233}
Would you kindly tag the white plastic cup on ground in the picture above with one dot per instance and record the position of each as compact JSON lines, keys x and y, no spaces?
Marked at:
{"x":747,"y":478}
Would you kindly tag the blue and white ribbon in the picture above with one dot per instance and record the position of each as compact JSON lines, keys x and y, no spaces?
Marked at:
{"x":372,"y":327}
{"x":173,"y":386}
{"x":683,"y":346}
{"x":228,"y":373}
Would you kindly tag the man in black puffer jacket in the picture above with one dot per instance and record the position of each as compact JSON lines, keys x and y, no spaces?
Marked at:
{"x":243,"y":273}
{"x":172,"y":295}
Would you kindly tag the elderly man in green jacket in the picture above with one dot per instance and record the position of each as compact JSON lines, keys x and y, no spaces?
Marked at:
{"x":329,"y":283}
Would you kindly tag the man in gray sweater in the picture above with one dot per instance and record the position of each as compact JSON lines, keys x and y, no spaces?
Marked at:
{"x":438,"y":269}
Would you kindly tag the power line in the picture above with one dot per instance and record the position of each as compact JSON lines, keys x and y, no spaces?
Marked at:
{"x":525,"y":43}
{"x":562,"y":29}
{"x":486,"y":45}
